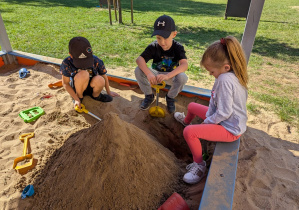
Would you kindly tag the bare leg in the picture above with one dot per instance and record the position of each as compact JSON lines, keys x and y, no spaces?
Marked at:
{"x":97,"y":83}
{"x":81,"y":81}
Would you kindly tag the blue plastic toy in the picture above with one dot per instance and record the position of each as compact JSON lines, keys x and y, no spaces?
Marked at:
{"x":23,"y":73}
{"x":27,"y":192}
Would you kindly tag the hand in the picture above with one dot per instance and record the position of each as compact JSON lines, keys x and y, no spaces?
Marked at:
{"x":162,"y":77}
{"x":78,"y":104}
{"x":152,"y":79}
{"x":113,"y":94}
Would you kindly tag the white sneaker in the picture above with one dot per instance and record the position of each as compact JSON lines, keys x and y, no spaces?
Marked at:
{"x":188,"y":167}
{"x":196,"y":172}
{"x":180,"y":117}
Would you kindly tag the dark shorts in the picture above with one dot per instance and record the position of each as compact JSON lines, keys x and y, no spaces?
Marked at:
{"x":87,"y":92}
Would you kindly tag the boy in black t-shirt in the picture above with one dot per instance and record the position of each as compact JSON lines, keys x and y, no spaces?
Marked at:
{"x":84,"y":73}
{"x":169,"y":64}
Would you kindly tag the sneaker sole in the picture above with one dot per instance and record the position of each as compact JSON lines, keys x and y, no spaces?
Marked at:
{"x":192,"y":182}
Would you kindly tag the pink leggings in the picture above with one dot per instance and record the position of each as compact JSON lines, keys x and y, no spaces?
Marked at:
{"x":209,"y":132}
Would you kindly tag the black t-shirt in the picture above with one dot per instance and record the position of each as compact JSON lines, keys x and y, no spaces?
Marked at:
{"x":164,"y":61}
{"x":68,"y":68}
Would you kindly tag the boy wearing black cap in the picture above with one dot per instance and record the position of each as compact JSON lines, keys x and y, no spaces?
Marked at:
{"x":84,"y":73}
{"x":169,"y":64}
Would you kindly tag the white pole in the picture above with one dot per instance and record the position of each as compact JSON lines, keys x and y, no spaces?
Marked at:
{"x":253,"y":19}
{"x":4,"y":41}
{"x":5,"y":44}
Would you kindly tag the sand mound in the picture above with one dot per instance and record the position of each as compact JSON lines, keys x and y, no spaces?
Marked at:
{"x":112,"y":165}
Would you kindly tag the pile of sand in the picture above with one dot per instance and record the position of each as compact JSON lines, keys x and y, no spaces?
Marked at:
{"x":112,"y":165}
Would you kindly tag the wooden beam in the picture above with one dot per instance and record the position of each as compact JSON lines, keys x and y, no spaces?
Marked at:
{"x":220,"y":184}
{"x":115,"y":8}
{"x":131,"y":11}
{"x":109,"y":8}
{"x":120,"y":19}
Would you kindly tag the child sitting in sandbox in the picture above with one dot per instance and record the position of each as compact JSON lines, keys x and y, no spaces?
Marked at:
{"x":84,"y":74}
{"x":225,"y":118}
{"x":169,"y":64}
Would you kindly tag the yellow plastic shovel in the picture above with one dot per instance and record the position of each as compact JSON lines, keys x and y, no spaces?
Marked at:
{"x":85,"y":111}
{"x":157,"y":111}
{"x":25,"y":138}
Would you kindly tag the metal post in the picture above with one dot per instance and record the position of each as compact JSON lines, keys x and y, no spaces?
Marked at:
{"x":253,"y":19}
{"x":5,"y":44}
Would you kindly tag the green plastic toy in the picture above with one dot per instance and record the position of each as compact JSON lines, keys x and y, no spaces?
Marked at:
{"x":32,"y":114}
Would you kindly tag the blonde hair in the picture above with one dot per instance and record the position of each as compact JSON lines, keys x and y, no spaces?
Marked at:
{"x":228,"y":49}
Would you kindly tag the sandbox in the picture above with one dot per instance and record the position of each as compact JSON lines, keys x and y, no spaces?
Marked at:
{"x":59,"y":132}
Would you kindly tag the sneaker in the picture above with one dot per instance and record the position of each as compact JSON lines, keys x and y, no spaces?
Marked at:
{"x":148,"y":100}
{"x":196,"y":172}
{"x":170,"y":104}
{"x":180,"y":117}
{"x":188,"y":167}
{"x":103,"y":98}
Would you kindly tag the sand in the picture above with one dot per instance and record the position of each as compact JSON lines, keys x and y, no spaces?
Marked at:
{"x":129,"y":159}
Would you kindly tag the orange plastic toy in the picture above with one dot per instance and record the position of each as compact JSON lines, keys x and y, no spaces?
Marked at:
{"x":55,"y":84}
{"x":174,"y":202}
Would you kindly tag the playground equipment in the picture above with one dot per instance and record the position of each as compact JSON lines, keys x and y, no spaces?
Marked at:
{"x":157,"y":111}
{"x":85,"y":111}
{"x":25,"y":138}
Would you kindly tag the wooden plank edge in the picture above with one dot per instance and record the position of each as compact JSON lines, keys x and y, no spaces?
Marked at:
{"x":220,"y":184}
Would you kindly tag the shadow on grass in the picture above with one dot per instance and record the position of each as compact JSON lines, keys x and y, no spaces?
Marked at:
{"x":200,"y":38}
{"x":275,"y":49}
{"x":176,"y":6}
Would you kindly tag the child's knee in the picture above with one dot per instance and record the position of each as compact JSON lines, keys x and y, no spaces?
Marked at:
{"x":191,"y":105}
{"x":97,"y":81}
{"x":82,"y":76}
{"x":186,"y":132}
{"x":181,"y":78}
{"x":138,"y":72}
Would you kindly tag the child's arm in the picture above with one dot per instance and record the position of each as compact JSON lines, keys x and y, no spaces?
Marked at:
{"x":181,"y":68}
{"x":70,"y":90}
{"x":107,"y":87}
{"x":142,"y":65}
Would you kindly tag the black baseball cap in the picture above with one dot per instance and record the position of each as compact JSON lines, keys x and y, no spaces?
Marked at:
{"x":80,"y":49}
{"x":163,"y":26}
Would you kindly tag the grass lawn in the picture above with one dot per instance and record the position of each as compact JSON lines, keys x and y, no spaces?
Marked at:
{"x":45,"y":27}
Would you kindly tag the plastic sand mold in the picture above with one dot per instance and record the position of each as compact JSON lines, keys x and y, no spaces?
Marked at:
{"x":32,"y":114}
{"x":25,"y":138}
{"x":27,"y":192}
